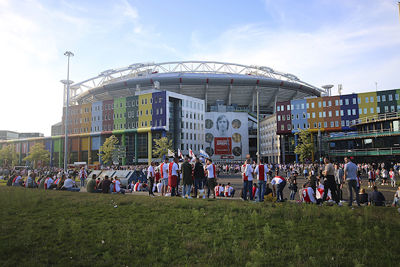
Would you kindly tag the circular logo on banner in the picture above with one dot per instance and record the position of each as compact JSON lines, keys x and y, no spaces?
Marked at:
{"x":210,"y":151}
{"x":237,"y":151}
{"x":209,"y":124}
{"x":209,"y":137}
{"x":236,"y":137}
{"x":236,"y":124}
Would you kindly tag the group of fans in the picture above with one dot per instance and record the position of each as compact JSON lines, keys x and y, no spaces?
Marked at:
{"x":324,"y":182}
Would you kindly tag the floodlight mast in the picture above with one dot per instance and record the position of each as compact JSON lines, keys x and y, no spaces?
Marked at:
{"x":69,"y":55}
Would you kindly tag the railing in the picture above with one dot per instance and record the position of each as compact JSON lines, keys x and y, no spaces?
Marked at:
{"x":378,"y":117}
{"x":366,"y":152}
{"x":360,"y":134}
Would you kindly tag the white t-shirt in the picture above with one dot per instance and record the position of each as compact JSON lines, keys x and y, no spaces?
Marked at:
{"x":308,"y":195}
{"x":210,"y":170}
{"x":265,"y":172}
{"x":164,"y":170}
{"x":68,"y":183}
{"x":249,"y":172}
{"x":150,"y":172}
{"x":49,"y":182}
{"x":117,"y":186}
{"x":174,"y":169}
{"x":277,"y":180}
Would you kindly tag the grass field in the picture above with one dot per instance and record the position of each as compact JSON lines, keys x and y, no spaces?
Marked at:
{"x":77,"y":229}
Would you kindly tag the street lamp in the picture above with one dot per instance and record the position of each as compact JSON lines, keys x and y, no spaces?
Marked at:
{"x":68,"y":54}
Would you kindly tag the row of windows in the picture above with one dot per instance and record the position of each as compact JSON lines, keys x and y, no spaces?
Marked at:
{"x":195,"y":147}
{"x":192,"y":115}
{"x":191,"y":136}
{"x":194,"y":126}
{"x":192,"y":104}
{"x":316,"y":125}
{"x":338,"y":102}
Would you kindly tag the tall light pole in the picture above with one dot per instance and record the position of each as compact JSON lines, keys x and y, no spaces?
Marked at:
{"x":258,"y":126}
{"x":68,"y":54}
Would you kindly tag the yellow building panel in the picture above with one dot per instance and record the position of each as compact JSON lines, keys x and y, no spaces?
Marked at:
{"x":315,"y":109}
{"x":145,"y":110}
{"x":367,"y":104}
{"x":84,"y":143}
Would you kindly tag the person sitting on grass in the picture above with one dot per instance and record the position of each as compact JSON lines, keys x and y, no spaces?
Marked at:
{"x":159,"y":187}
{"x":48,"y":182}
{"x":17,"y":181}
{"x":117,"y":186}
{"x":69,"y":185}
{"x":61,"y":182}
{"x":105,"y":185}
{"x":221,"y":190}
{"x":307,"y":194}
{"x":396,"y":199}
{"x":30,"y":182}
{"x":376,"y":198}
{"x":91,"y":185}
{"x":363,"y":196}
{"x":216,"y":190}
{"x":268,"y":191}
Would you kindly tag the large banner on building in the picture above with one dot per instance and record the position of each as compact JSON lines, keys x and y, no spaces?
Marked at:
{"x":227,"y":135}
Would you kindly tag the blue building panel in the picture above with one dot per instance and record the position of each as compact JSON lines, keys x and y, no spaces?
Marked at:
{"x":299,"y":114}
{"x":159,"y":118}
{"x":97,"y":116}
{"x":348,"y":110}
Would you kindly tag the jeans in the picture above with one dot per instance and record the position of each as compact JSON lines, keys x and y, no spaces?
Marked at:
{"x":247,"y":187}
{"x":198,"y":184}
{"x":396,"y":201}
{"x":353,"y":185}
{"x":261,"y":190}
{"x":330,"y":184}
{"x":151,"y":185}
{"x":210,"y":186}
{"x":73,"y":189}
{"x":186,"y":189}
{"x":293,"y":191}
{"x":279,"y":191}
{"x":82,"y":182}
{"x":339,"y":191}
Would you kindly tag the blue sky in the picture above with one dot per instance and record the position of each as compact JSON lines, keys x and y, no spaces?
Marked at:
{"x":349,"y":42}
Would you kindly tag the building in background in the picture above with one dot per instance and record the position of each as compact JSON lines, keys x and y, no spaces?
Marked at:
{"x":10,"y":135}
{"x":363,"y":125}
{"x":269,"y":140}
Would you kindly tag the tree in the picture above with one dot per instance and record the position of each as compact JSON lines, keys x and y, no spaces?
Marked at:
{"x":304,"y":146}
{"x":8,"y":155}
{"x":161,"y":147}
{"x":108,"y":148}
{"x":38,"y":153}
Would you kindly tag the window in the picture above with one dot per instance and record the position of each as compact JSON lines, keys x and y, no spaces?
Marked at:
{"x":365,"y":111}
{"x":396,"y":96}
{"x":346,"y":101}
{"x":325,"y":124}
{"x":371,"y":110}
{"x":354,"y":112}
{"x":312,"y":105}
{"x":324,"y":114}
{"x":347,"y":123}
{"x":359,"y":100}
{"x":279,"y":117}
{"x":378,"y":110}
{"x":308,"y":115}
{"x":336,"y":102}
{"x":341,"y":112}
{"x":378,"y":98}
{"x":390,"y":97}
{"x":151,"y":100}
{"x":392,"y":109}
{"x":371,"y":99}
{"x":386,"y":109}
{"x":360,"y":111}
{"x":366,"y":99}
{"x":288,"y":117}
{"x":337,"y":113}
{"x":282,"y":127}
{"x":319,"y":104}
{"x":354,"y":101}
{"x":297,"y":116}
{"x":330,"y":114}
{"x":145,"y":101}
{"x":289,"y":126}
{"x":383,"y":98}
{"x":329,"y":103}
{"x":319,"y":125}
{"x":315,"y":125}
{"x":283,"y":118}
{"x":349,"y":112}
{"x":313,"y":115}
{"x":282,"y":108}
{"x":278,"y":108}
{"x":320,"y":114}
{"x":302,"y":106}
{"x":332,"y":124}
{"x":288,"y":107}
{"x":307,"y":105}
{"x":336,"y":124}
{"x":324,"y":104}
{"x":343,"y":123}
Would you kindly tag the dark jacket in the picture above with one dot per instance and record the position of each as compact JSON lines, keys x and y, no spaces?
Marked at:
{"x":199,"y":171}
{"x":105,"y":186}
{"x":187,"y":173}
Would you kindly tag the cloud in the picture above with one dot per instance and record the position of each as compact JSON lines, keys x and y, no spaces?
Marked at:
{"x":355,"y":52}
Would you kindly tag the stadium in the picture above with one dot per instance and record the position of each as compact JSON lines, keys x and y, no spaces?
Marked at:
{"x":198,"y":105}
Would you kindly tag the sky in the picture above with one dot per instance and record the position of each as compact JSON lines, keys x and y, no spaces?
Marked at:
{"x":350,"y":42}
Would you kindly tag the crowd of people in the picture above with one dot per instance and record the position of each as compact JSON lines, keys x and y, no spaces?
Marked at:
{"x":190,"y":178}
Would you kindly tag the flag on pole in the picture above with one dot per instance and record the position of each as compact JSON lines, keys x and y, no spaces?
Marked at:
{"x":204,"y":154}
{"x":191,"y":154}
{"x":180,"y":154}
{"x":170,"y":153}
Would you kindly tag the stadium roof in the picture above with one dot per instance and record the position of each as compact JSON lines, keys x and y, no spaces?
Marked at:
{"x":233,"y":83}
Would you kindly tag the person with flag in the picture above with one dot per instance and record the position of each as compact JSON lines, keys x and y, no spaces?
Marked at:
{"x":173,"y":172}
{"x":262,"y":171}
{"x":280,"y":183}
{"x":211,"y":177}
{"x":164,"y":176}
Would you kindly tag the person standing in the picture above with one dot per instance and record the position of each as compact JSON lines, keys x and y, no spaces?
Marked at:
{"x":262,"y":172}
{"x":350,"y":175}
{"x":280,"y":183}
{"x":198,"y":176}
{"x":211,"y":177}
{"x":187,"y":178}
{"x":248,"y":180}
{"x":173,"y":172}
{"x":329,"y":181}
{"x":164,"y":176}
{"x":293,"y":185}
{"x":150,"y":178}
{"x":392,"y":177}
{"x":82,"y":176}
{"x":339,"y":180}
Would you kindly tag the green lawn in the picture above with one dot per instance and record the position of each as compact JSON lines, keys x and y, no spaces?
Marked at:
{"x":77,"y":229}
